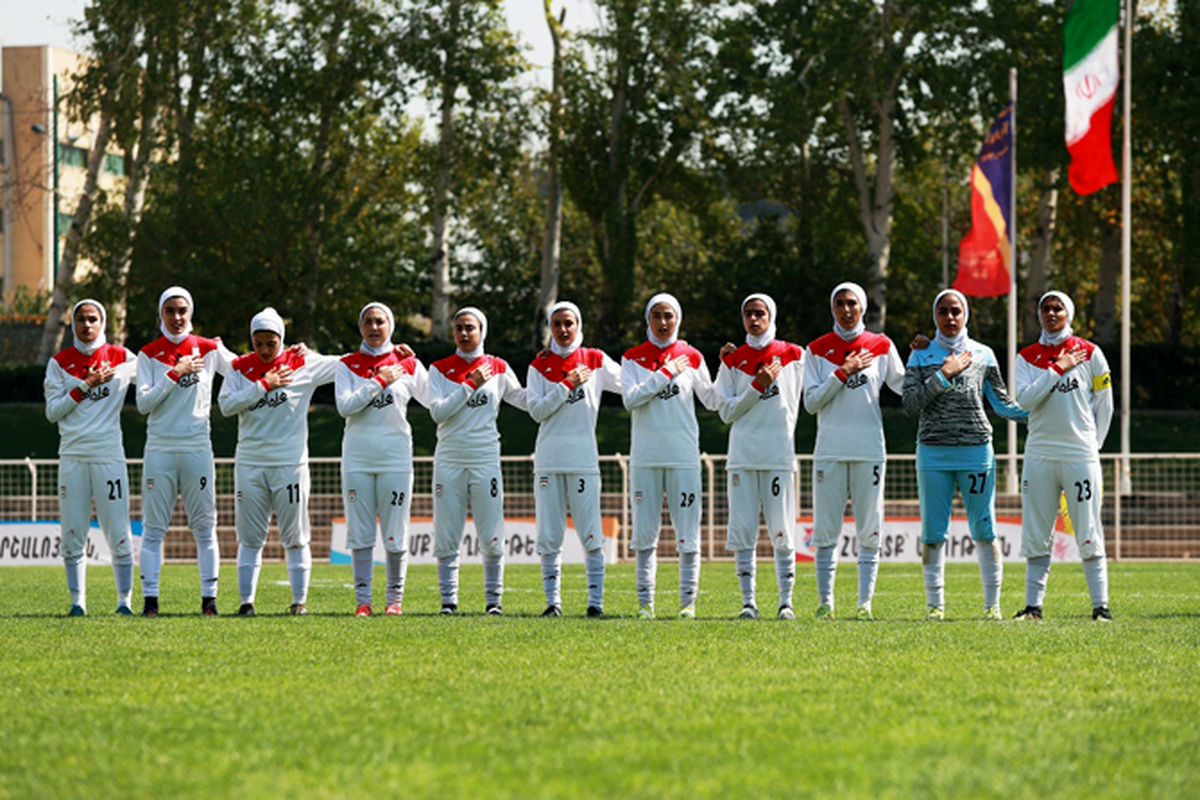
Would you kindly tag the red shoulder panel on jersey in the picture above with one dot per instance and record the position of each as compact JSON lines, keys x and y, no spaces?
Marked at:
{"x":748,"y":359}
{"x":254,"y":368}
{"x":164,"y":350}
{"x":834,"y":348}
{"x":76,"y":364}
{"x":366,"y":365}
{"x":1041,"y":356}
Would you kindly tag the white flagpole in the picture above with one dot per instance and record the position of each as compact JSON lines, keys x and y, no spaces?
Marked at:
{"x":1012,"y":284}
{"x":1125,"y":484}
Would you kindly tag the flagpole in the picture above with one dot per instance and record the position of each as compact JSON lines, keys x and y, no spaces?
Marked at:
{"x":1125,"y":484}
{"x":1012,"y":283}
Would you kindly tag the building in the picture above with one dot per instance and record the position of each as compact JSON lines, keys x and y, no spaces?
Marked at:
{"x":44,"y":163}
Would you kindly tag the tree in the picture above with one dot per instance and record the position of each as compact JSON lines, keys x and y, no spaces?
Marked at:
{"x":552,"y":236}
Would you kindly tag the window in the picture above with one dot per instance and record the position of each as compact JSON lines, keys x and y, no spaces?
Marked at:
{"x":72,"y":156}
{"x":114,"y":165}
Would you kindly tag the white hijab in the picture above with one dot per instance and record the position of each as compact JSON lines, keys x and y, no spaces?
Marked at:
{"x":952,"y":343}
{"x":849,"y":334}
{"x":387,"y":345}
{"x":1054,"y":339}
{"x":669,"y":299}
{"x":87,"y":348}
{"x":175,"y":291}
{"x":267,"y":320}
{"x":763,"y":339}
{"x":555,"y":347}
{"x":482,"y":320}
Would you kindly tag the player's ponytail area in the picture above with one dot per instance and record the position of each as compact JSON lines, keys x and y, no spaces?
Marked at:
{"x":424,"y":705}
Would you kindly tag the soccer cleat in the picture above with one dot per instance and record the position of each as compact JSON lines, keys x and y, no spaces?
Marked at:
{"x":298,"y":609}
{"x":992,"y":613}
{"x":124,"y":611}
{"x":552,"y":611}
{"x":393,"y":610}
{"x":646,"y":612}
{"x":364,"y":610}
{"x":246,"y":610}
{"x":748,"y":612}
{"x":595,"y":612}
{"x":150,"y":607}
{"x":77,"y":611}
{"x":786,"y":612}
{"x":208,"y":606}
{"x":449,"y":609}
{"x":1029,"y":612}
{"x":1101,"y":614}
{"x":493,"y":609}
{"x":864,"y":614}
{"x":688,"y":611}
{"x":824,"y":612}
{"x":935,"y":614}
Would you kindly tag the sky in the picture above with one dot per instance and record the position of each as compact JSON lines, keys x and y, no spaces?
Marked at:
{"x":25,"y":22}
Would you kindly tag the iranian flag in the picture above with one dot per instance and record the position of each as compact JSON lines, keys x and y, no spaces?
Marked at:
{"x":1090,"y":75}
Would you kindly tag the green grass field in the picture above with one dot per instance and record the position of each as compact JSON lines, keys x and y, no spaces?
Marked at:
{"x":426,"y":706}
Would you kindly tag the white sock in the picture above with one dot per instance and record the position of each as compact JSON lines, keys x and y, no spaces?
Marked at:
{"x":299,"y":564}
{"x":208,"y":558}
{"x":934,"y":570}
{"x":1095,"y":570}
{"x":785,"y":575}
{"x":77,"y":580}
{"x":249,"y":564}
{"x":151,"y":560}
{"x":493,"y":579}
{"x":746,"y":566}
{"x":397,"y":573}
{"x":364,"y":572}
{"x":552,"y":577}
{"x":647,"y":574}
{"x":826,"y":564}
{"x":448,"y":580}
{"x":868,"y":571}
{"x":123,"y":578}
{"x":1037,"y":571}
{"x":594,"y":564}
{"x":991,"y":571}
{"x":689,"y":578}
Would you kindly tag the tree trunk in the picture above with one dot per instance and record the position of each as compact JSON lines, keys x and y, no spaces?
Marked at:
{"x":138,"y":180}
{"x":552,"y":236}
{"x":1104,"y":308}
{"x":1039,"y":262}
{"x":64,"y":279}
{"x":439,"y":251}
{"x":617,"y":254}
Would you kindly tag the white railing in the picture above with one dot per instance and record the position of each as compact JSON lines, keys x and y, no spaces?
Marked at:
{"x":1159,"y":518}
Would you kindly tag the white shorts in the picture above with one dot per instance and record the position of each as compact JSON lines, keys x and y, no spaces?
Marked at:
{"x":453,"y":487}
{"x":164,"y":475}
{"x":1041,"y":483}
{"x":682,"y":489}
{"x":774,"y":493}
{"x":372,"y":496}
{"x":862,"y":483}
{"x":554,"y":493}
{"x":261,"y":490}
{"x":81,"y":482}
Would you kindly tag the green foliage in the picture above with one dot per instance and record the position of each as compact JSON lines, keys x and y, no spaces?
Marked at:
{"x":425,"y":706}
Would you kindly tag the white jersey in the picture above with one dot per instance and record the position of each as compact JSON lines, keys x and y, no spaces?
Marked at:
{"x":378,"y":437}
{"x":849,"y":420}
{"x":466,"y":414}
{"x":88,"y":418}
{"x":663,"y":431}
{"x":179,"y":406}
{"x":566,"y":440}
{"x":273,"y":424}
{"x":1069,"y":413}
{"x":763,"y":432}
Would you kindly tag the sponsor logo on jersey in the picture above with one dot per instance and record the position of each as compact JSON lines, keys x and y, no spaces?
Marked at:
{"x":352,"y":495}
{"x":772,"y":391}
{"x":856,"y":380}
{"x":669,"y":392}
{"x":271,"y":400}
{"x":97,"y":393}
{"x":1069,"y":385}
{"x":477,"y":401}
{"x":576,"y":395}
{"x":191,"y":379}
{"x":383,"y":401}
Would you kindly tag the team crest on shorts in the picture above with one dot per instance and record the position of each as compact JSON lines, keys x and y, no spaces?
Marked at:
{"x":62,"y":491}
{"x":437,"y":490}
{"x":238,"y":496}
{"x":820,"y":475}
{"x":150,"y":484}
{"x":543,"y":482}
{"x":637,"y":497}
{"x":737,"y":480}
{"x":352,"y":495}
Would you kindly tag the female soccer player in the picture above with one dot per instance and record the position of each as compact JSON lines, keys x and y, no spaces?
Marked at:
{"x":85,"y":388}
{"x":372,"y":389}
{"x":946,"y":384}
{"x":465,"y":391}
{"x":563,"y":387}
{"x":759,"y":386}
{"x":845,"y":371}
{"x":1064,"y":382}
{"x":658,"y":380}
{"x":269,"y":391}
{"x":174,"y":389}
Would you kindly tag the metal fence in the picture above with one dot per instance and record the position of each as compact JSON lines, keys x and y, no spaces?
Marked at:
{"x":1159,"y":517}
